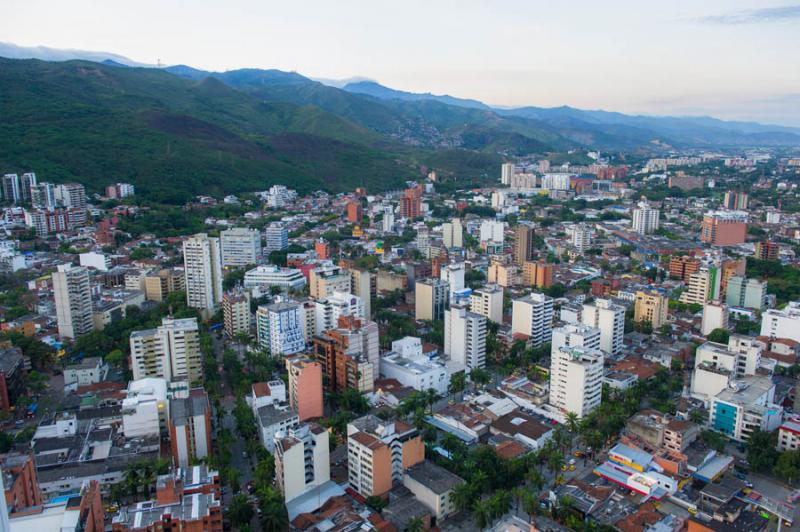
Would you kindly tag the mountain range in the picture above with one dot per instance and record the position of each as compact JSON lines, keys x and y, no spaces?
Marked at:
{"x":178,"y":130}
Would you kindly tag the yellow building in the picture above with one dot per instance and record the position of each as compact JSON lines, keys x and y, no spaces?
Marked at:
{"x":652,"y":307}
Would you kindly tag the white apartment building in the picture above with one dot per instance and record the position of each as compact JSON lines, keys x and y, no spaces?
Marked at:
{"x":789,"y":435}
{"x":302,"y":460}
{"x":453,"y":275}
{"x":609,"y":317}
{"x":576,"y":379}
{"x":492,"y":232}
{"x":532,"y":316}
{"x":747,"y":293}
{"x":465,"y":337}
{"x":280,"y":327}
{"x":581,"y":237}
{"x":703,"y":285}
{"x":453,"y":234}
{"x":276,"y":237}
{"x":328,"y":310}
{"x":744,"y":407}
{"x":507,"y":171}
{"x":411,"y":367}
{"x":556,"y":181}
{"x":240,"y":246}
{"x":716,"y":365}
{"x":782,"y":323}
{"x":575,"y":335}
{"x":145,"y":409}
{"x":73,"y":300}
{"x":268,"y":275}
{"x":645,"y":218}
{"x":715,"y":316}
{"x":202,"y":264}
{"x":171,"y":351}
{"x":488,"y":301}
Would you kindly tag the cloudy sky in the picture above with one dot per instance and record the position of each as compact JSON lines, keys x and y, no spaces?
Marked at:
{"x":733,"y":59}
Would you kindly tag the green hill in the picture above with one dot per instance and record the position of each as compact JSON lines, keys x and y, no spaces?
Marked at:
{"x":176,"y":137}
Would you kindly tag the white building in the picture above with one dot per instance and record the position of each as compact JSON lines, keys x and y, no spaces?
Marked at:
{"x":453,"y":275}
{"x":280,"y":327}
{"x":715,"y":316}
{"x":240,"y":246}
{"x":507,"y":171}
{"x":276,"y":237}
{"x":90,"y":370}
{"x":532,"y":316}
{"x":268,"y":275}
{"x":411,"y":367}
{"x":716,"y":365}
{"x":747,"y":293}
{"x":202,"y":263}
{"x":145,"y":409}
{"x":465,"y":337}
{"x":492,"y":232}
{"x":556,"y":181}
{"x":302,"y":460}
{"x":576,"y":379}
{"x":73,"y":300}
{"x":575,"y":335}
{"x":98,"y":261}
{"x":782,"y":323}
{"x":453,"y":234}
{"x":488,"y":301}
{"x":327,"y":311}
{"x":581,"y":237}
{"x":645,"y":218}
{"x":609,"y":317}
{"x":171,"y":351}
{"x":744,"y":407}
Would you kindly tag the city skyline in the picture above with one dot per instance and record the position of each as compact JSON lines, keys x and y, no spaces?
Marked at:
{"x":724,"y":59}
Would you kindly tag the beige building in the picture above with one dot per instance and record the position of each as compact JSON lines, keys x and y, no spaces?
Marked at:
{"x":327,"y":279}
{"x":652,"y":307}
{"x":503,"y":274}
{"x":431,"y":298}
{"x":432,"y":485}
{"x":391,"y":281}
{"x":166,"y":281}
{"x":202,"y":262}
{"x":302,"y":460}
{"x":171,"y":351}
{"x":236,"y":313}
{"x":73,"y":299}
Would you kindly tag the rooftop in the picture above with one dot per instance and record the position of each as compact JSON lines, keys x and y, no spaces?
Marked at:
{"x":436,"y":478}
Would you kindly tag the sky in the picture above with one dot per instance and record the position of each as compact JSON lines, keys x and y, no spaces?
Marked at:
{"x":732,"y":59}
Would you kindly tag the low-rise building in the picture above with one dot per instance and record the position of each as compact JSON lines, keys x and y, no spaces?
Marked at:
{"x":432,"y":485}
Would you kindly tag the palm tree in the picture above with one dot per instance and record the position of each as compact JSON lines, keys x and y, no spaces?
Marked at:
{"x":462,"y":496}
{"x":572,"y":422}
{"x":415,"y":525}
{"x":240,"y":511}
{"x":482,"y":514}
{"x":534,"y":478}
{"x":431,"y":396}
{"x":555,"y":460}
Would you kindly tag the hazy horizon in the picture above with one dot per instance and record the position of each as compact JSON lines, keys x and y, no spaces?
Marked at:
{"x":728,"y":59}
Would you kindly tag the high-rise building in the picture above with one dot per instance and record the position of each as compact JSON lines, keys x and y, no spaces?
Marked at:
{"x":354,"y":212}
{"x":202,"y":263}
{"x":327,"y":279}
{"x":488,"y":302}
{"x":240,"y":246}
{"x":170,"y":351}
{"x":28,"y":182}
{"x":305,"y":386}
{"x":411,"y":203}
{"x":453,"y":234}
{"x":532,"y":317}
{"x":71,"y":195}
{"x":11,"y":188}
{"x":379,"y":452}
{"x":328,"y":310}
{"x":748,"y":293}
{"x":73,"y":300}
{"x":21,"y":487}
{"x":349,"y":354}
{"x":724,"y":228}
{"x":280,"y":327}
{"x":609,"y":317}
{"x":651,"y":306}
{"x":736,"y":201}
{"x":538,"y":274}
{"x":302,"y":460}
{"x":363,"y":284}
{"x":166,"y":281}
{"x":236,"y":312}
{"x":523,"y":244}
{"x":783,"y":323}
{"x":682,"y":267}
{"x":581,"y":237}
{"x":465,"y":337}
{"x":43,"y":196}
{"x":575,"y":335}
{"x":576,"y":379}
{"x":431,"y":299}
{"x":703,"y":285}
{"x":505,"y":275}
{"x":767,"y":250}
{"x":454,"y":275}
{"x":322,"y":249}
{"x":715,"y":316}
{"x":190,"y":428}
{"x":507,"y":171}
{"x":645,"y":218}
{"x":276,"y":237}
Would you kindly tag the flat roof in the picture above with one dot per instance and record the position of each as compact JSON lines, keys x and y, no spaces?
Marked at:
{"x":436,"y":478}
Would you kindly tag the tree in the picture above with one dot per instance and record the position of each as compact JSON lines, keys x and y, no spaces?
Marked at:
{"x":719,"y":336}
{"x":240,"y":511}
{"x":479,"y":376}
{"x":273,"y":511}
{"x":572,"y":422}
{"x":462,"y":496}
{"x":482,"y":513}
{"x":788,"y":466}
{"x":415,"y":525}
{"x":457,"y":383}
{"x":115,"y":358}
{"x":376,"y":503}
{"x":431,"y":396}
{"x":761,"y":453}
